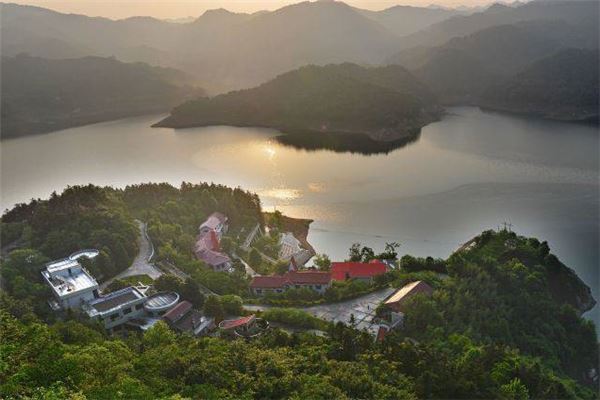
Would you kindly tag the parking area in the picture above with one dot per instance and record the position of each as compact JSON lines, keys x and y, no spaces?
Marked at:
{"x":363,"y":309}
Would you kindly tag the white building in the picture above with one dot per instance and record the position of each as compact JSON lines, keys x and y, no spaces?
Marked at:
{"x":289,"y":246}
{"x":217,"y":222}
{"x":72,"y":286}
{"x":117,"y":308}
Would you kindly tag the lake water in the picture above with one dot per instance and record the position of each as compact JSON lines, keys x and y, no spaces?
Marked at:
{"x":469,"y":172}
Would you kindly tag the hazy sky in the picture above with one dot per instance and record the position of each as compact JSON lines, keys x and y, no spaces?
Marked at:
{"x":184,"y":8}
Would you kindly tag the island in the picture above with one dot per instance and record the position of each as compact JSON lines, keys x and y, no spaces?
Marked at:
{"x":346,"y":102}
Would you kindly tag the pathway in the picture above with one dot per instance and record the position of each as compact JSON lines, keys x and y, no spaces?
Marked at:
{"x":250,"y":237}
{"x":142,"y":264}
{"x":363,"y":309}
{"x":249,"y":270}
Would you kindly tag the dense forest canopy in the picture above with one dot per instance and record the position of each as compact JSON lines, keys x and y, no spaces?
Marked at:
{"x":385,"y":103}
{"x":503,"y":322}
{"x":41,"y":95}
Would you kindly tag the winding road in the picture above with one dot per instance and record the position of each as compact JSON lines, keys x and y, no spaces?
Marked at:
{"x":142,"y":264}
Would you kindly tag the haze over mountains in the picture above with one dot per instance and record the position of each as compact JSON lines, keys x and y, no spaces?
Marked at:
{"x":41,"y":95}
{"x":459,"y":55}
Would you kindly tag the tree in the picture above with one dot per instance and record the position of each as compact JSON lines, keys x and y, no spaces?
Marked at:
{"x":390,"y":252}
{"x":366,"y":254}
{"x":322,"y":262}
{"x":354,"y":253}
{"x":190,"y":290}
{"x":168,"y":283}
{"x":213,"y":308}
{"x":254,"y":259}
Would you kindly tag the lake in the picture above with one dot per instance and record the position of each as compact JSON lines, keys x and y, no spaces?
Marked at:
{"x":469,"y":172}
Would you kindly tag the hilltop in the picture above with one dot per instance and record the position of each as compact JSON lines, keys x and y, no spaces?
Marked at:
{"x":503,"y":321}
{"x":384,"y":103}
{"x":41,"y":95}
{"x":564,"y":86}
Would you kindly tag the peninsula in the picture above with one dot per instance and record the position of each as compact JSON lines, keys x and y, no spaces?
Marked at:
{"x":384,"y":104}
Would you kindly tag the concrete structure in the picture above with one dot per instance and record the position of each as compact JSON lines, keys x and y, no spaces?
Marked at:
{"x":71,"y":285}
{"x":341,"y":271}
{"x":117,"y":308}
{"x":158,"y":304}
{"x":314,"y":280}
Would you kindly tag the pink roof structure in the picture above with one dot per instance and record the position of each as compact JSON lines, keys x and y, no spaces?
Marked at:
{"x":341,"y":271}
{"x":291,"y":278}
{"x":235,"y":323}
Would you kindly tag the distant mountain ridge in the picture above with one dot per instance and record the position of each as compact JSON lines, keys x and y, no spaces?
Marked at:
{"x":41,"y":95}
{"x":564,"y":86}
{"x":463,"y":68}
{"x":223,"y":50}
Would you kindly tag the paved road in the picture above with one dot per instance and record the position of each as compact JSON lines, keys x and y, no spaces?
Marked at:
{"x":362,"y":307}
{"x":142,"y":264}
{"x":249,"y":270}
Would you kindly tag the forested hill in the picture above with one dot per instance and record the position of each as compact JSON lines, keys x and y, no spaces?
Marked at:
{"x":385,"y":103}
{"x":42,"y":95}
{"x":564,"y":86}
{"x":503,"y":321}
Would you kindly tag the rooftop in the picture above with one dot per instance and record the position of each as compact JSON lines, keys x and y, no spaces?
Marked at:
{"x":342,"y":270}
{"x":214,"y":220}
{"x":234,"y":323}
{"x":178,"y":312}
{"x":68,"y":277}
{"x":291,"y":278}
{"x":408,"y":291}
{"x":161,"y":301}
{"x":115,"y":299}
{"x":213,"y":258}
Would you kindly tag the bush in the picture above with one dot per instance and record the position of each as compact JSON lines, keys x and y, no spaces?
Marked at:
{"x":295,"y":318}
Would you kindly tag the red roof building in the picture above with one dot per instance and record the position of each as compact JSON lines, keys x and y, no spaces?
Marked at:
{"x":315,"y":280}
{"x":341,"y":271}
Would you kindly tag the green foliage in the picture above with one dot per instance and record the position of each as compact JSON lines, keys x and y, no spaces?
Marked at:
{"x":81,"y":217}
{"x":295,"y":318}
{"x":188,"y":289}
{"x":214,"y":308}
{"x":322,"y":262}
{"x":40,"y":95}
{"x":409,"y":263}
{"x":343,"y":98}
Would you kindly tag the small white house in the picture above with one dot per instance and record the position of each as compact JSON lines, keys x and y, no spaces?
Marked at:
{"x":71,"y":285}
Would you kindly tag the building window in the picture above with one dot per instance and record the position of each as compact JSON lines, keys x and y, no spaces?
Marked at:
{"x":258,"y":291}
{"x":127,"y":310}
{"x":279,"y":291}
{"x":139,"y":306}
{"x":114,"y":316}
{"x":318,"y":287}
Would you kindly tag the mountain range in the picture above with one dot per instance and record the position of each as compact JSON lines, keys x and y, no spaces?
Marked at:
{"x":459,"y":55}
{"x":41,"y":95}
